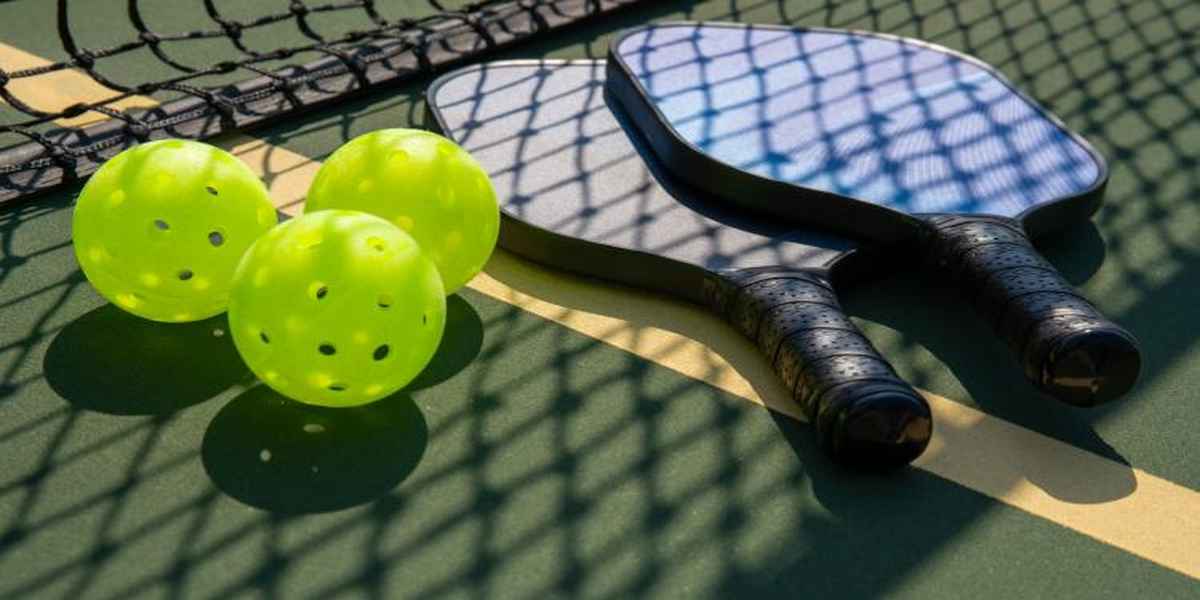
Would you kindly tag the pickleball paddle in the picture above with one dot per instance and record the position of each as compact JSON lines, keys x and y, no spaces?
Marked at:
{"x":888,"y":138}
{"x":579,"y":191}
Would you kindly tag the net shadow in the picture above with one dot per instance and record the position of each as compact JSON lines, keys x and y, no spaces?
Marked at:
{"x":557,"y":465}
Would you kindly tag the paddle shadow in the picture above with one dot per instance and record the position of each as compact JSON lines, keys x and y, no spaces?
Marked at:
{"x":935,"y":316}
{"x":113,"y":362}
{"x":287,"y":457}
{"x":1077,"y":251}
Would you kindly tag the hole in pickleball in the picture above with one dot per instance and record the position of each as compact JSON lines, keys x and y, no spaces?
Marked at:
{"x":385,"y":301}
{"x":318,"y":290}
{"x":210,"y":189}
{"x":424,"y":318}
{"x":338,"y":387}
{"x":381,"y":352}
{"x":216,"y":238}
{"x":186,"y":274}
{"x":327,"y":349}
{"x":161,"y":225}
{"x":262,"y":335}
{"x":376,"y":244}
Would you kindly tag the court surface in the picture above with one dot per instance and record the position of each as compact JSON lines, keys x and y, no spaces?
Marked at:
{"x":574,"y":439}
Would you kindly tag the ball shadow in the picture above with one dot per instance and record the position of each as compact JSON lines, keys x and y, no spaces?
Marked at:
{"x":113,"y":362}
{"x":286,"y":457}
{"x":460,"y":345}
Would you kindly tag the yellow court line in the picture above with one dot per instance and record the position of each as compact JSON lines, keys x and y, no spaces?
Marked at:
{"x":1124,"y":507}
{"x":57,"y":90}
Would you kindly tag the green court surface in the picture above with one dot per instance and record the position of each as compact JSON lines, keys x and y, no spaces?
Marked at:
{"x":534,"y":460}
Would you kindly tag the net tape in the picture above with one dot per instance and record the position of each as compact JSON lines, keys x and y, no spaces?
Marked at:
{"x":350,"y":63}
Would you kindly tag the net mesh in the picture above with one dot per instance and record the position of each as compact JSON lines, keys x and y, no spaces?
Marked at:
{"x":251,"y":79}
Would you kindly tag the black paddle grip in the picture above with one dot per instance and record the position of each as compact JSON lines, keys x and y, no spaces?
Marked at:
{"x":1067,"y":348}
{"x":863,"y":412}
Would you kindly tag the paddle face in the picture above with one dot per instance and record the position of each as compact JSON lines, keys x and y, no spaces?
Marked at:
{"x":855,"y":116}
{"x":579,"y":190}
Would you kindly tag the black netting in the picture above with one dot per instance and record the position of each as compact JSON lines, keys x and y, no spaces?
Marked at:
{"x":180,"y":98}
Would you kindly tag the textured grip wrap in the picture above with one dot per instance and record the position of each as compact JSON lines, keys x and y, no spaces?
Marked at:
{"x":1067,"y":348}
{"x":864,"y":413}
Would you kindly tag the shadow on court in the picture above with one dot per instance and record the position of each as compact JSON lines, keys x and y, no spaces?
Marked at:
{"x":291,"y":458}
{"x":261,"y":448}
{"x":113,"y":362}
{"x":460,"y":345}
{"x":870,"y":529}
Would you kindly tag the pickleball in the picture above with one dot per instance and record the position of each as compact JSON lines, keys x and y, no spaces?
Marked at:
{"x":159,"y":229}
{"x":337,"y":308}
{"x":425,"y":184}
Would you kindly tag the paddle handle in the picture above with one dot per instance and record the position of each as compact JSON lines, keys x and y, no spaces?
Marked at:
{"x":1067,"y":348}
{"x":863,"y":412}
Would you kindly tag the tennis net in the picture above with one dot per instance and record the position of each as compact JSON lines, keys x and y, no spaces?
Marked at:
{"x":331,"y":51}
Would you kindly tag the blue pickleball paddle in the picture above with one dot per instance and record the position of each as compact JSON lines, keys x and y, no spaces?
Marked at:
{"x":888,"y":139}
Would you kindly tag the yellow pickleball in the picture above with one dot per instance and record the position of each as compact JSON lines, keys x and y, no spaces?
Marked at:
{"x":159,"y":229}
{"x":337,"y":308}
{"x":425,"y":184}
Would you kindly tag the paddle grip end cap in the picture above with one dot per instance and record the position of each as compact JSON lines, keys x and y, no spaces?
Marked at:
{"x":1068,"y":349}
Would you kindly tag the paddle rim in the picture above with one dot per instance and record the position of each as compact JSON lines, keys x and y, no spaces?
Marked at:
{"x":823,"y":208}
